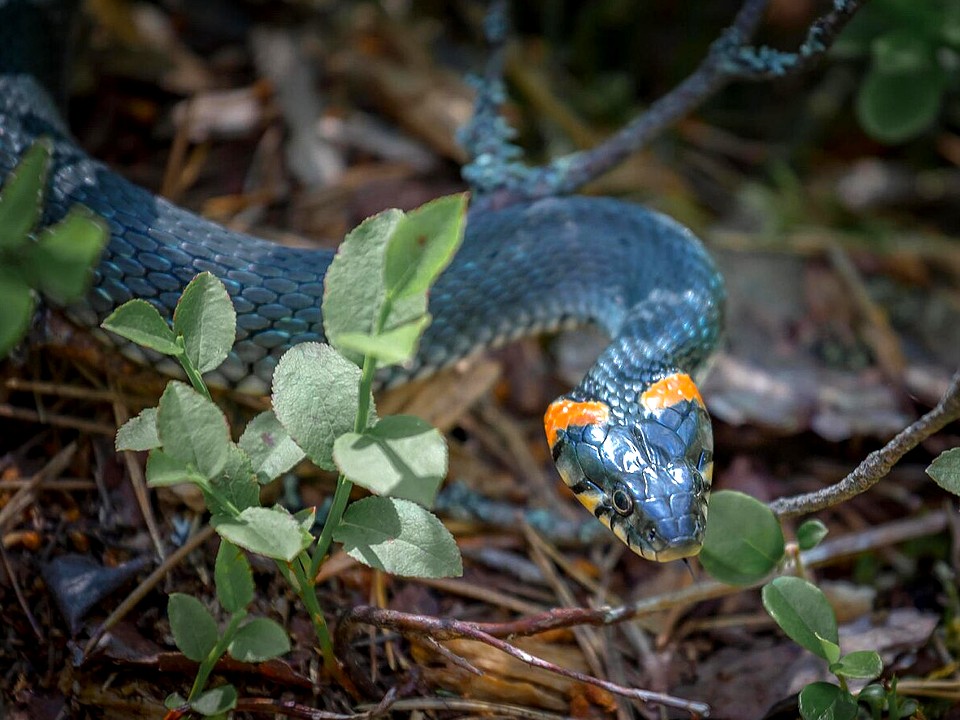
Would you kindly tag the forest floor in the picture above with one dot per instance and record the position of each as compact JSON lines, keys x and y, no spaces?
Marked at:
{"x":843,"y":275}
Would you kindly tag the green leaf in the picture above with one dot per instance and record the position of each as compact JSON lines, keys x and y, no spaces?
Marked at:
{"x":62,"y":259}
{"x":423,"y":245}
{"x":194,"y":629}
{"x":810,"y":534}
{"x":233,"y":577}
{"x":164,"y":470}
{"x":874,"y":695}
{"x":192,"y":429}
{"x":315,"y":398}
{"x":399,"y":537}
{"x":375,"y":290}
{"x":139,"y":433}
{"x":861,"y":664}
{"x":259,"y":640}
{"x":896,"y":107}
{"x":174,"y":700}
{"x":353,"y":286}
{"x":945,"y":470}
{"x":902,"y":51}
{"x":743,"y":542}
{"x":401,"y":456}
{"x":830,"y":650}
{"x":823,"y":701}
{"x":802,"y":612}
{"x":858,"y":36}
{"x":354,"y":293}
{"x":17,"y":304}
{"x":235,"y":488}
{"x":207,"y":320}
{"x":215,"y":701}
{"x":140,"y":322}
{"x":306,"y":517}
{"x":269,"y":446}
{"x":906,"y":708}
{"x":271,"y":532}
{"x":22,"y":195}
{"x":394,"y":346}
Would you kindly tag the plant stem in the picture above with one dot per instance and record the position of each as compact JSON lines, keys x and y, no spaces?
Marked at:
{"x":209,"y":662}
{"x":193,"y":375}
{"x":340,"y":498}
{"x":306,"y":591}
{"x":341,"y":495}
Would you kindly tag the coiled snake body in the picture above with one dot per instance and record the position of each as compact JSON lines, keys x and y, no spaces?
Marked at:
{"x":633,"y":440}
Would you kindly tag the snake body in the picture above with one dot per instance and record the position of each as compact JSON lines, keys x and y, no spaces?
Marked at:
{"x":633,"y":440}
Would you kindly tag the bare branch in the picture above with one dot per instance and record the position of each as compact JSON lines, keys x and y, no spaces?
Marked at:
{"x":500,"y":181}
{"x":438,"y":629}
{"x":878,"y":463}
{"x":446,"y":628}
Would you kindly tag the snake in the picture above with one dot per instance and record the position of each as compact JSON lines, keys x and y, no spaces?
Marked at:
{"x":633,"y":440}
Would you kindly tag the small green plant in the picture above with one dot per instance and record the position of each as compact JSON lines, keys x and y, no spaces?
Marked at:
{"x":914,"y":51}
{"x":56,"y":261}
{"x":744,"y":544}
{"x":881,"y":699}
{"x":374,"y":310}
{"x":196,"y":633}
{"x":804,"y":614}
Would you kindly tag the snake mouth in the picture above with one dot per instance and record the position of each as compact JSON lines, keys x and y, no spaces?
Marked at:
{"x":679,"y":549}
{"x":662,"y":544}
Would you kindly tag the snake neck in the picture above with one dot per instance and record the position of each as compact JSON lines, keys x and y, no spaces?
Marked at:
{"x":667,"y":335}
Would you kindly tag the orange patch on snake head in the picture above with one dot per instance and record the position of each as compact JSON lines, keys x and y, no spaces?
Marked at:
{"x":669,"y":391}
{"x":563,"y":413}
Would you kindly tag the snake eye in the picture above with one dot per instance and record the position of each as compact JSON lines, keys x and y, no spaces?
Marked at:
{"x":622,"y":502}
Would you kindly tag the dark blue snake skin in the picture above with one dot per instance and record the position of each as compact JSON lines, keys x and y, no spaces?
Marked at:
{"x":527,"y":268}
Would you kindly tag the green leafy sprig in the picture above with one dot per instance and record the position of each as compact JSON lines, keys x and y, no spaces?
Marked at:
{"x":375,"y":311}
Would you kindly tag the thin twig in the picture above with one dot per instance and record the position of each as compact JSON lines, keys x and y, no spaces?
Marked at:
{"x":502,"y":182}
{"x":64,"y":390}
{"x":25,"y":494}
{"x":58,"y":484}
{"x":446,"y":628}
{"x":586,"y":638}
{"x":878,"y":463}
{"x":878,"y":332}
{"x":474,"y":707}
{"x":490,"y":633}
{"x":88,"y":426}
{"x":147,"y":585}
{"x":18,"y":592}
{"x":138,"y":482}
{"x":295,"y":709}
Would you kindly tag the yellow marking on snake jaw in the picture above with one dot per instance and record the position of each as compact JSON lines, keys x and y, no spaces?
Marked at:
{"x":563,"y":413}
{"x":707,"y":474}
{"x":590,"y":500}
{"x":669,"y":391}
{"x":620,"y":531}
